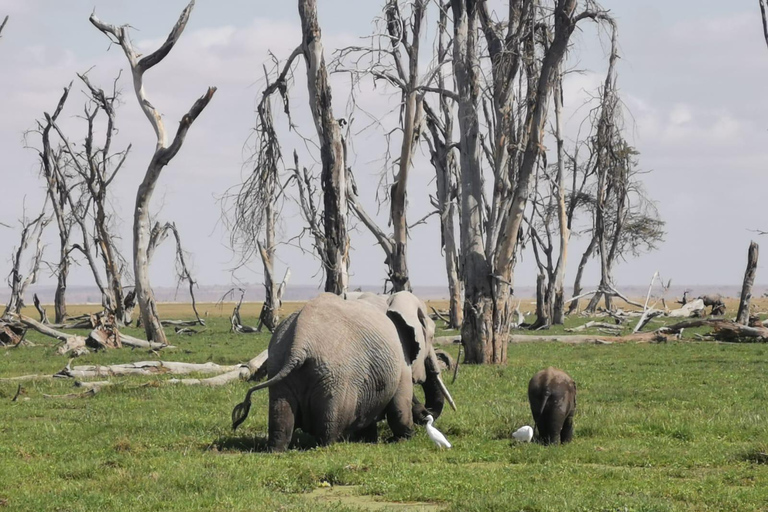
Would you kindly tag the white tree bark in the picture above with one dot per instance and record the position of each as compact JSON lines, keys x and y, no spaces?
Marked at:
{"x":162,"y":156}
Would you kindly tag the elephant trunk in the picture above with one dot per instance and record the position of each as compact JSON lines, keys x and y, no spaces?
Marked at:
{"x":435,"y":391}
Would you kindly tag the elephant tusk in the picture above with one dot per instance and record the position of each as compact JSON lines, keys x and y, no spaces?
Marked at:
{"x":446,"y":393}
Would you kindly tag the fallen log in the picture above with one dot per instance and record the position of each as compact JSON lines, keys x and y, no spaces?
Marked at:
{"x":591,"y":324}
{"x":692,"y":309}
{"x":254,"y":369}
{"x":578,"y":339}
{"x":143,"y":368}
{"x":446,"y":340}
{"x":181,"y":323}
{"x":11,"y":334}
{"x":86,"y":394}
{"x":724,"y":330}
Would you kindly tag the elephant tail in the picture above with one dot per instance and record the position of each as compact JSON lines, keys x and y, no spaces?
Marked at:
{"x":241,"y":410}
{"x":541,"y":409}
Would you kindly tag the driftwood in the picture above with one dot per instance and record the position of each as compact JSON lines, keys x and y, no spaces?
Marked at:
{"x":691,"y":309}
{"x":143,"y":368}
{"x":590,"y":325}
{"x":580,"y":339}
{"x":446,"y":340}
{"x":182,"y":323}
{"x":236,"y":323}
{"x":749,"y":279}
{"x":254,"y":369}
{"x":75,"y":342}
{"x":724,"y":330}
{"x":11,"y":333}
{"x":647,"y":316}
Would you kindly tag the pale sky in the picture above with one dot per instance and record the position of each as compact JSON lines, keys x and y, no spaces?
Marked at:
{"x":692,"y":73}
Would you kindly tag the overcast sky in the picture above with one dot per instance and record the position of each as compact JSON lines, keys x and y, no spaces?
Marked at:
{"x":692,"y":73}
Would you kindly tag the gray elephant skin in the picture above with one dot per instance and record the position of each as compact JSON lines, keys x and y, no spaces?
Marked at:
{"x":552,"y":395}
{"x":337,"y":367}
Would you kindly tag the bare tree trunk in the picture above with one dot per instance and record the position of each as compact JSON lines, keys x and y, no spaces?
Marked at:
{"x":558,"y":304}
{"x":333,"y":177}
{"x":746,"y":289}
{"x":32,"y":230}
{"x":488,"y":284}
{"x":477,"y":331}
{"x":580,"y":273}
{"x":270,"y":310}
{"x":542,"y":303}
{"x":162,"y":156}
{"x":444,"y":162}
{"x":399,"y":264}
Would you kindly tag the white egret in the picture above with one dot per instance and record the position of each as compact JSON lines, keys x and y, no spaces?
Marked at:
{"x":523,"y":434}
{"x":435,"y":435}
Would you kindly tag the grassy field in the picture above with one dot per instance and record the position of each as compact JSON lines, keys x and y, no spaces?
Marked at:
{"x":675,"y":426}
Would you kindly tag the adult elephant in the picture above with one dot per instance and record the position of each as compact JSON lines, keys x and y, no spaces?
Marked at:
{"x":338,"y":367}
{"x":552,"y":396}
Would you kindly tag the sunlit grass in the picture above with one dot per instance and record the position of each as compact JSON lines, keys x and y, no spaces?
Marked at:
{"x":675,"y":426}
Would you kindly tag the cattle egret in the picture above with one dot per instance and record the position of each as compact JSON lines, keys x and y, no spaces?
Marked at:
{"x":523,"y":434}
{"x":435,"y":435}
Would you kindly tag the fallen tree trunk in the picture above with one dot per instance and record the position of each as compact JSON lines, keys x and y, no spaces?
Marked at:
{"x":252,"y":370}
{"x":144,"y":368}
{"x":11,"y":333}
{"x":693,"y":308}
{"x":75,"y":342}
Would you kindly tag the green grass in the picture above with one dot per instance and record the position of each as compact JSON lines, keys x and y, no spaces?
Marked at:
{"x":675,"y":426}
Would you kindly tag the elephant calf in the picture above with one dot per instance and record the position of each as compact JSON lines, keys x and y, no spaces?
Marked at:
{"x":552,"y":395}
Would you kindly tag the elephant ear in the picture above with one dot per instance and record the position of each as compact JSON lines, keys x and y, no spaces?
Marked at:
{"x":410,"y":318}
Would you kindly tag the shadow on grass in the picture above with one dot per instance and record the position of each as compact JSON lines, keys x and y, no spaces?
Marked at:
{"x":756,"y":456}
{"x":259,"y":444}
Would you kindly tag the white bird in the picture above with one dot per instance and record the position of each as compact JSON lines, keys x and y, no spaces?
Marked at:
{"x":523,"y":434}
{"x":435,"y":435}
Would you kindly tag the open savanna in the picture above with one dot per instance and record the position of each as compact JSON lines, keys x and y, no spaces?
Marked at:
{"x":673,"y":426}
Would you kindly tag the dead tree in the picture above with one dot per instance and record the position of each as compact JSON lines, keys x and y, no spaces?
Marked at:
{"x":394,"y":58}
{"x":18,"y":281}
{"x":40,"y":310}
{"x":746,"y":290}
{"x":82,"y":180}
{"x":258,"y":199}
{"x":156,"y":237}
{"x":762,"y":13}
{"x":333,"y":176}
{"x":624,"y":220}
{"x":443,"y":158}
{"x":327,"y":224}
{"x":58,"y":190}
{"x":163,"y":154}
{"x":521,"y":50}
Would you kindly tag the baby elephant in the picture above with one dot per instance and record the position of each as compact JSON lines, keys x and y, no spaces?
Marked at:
{"x":552,"y":395}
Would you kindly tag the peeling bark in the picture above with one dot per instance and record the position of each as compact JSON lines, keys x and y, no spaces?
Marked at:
{"x":333,"y":176}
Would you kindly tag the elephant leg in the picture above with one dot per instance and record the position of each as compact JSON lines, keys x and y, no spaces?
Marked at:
{"x":399,"y":412}
{"x":549,"y":425}
{"x":282,"y":418}
{"x":566,"y":435}
{"x":369,"y":434}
